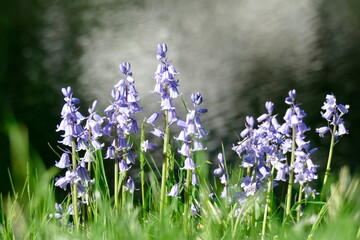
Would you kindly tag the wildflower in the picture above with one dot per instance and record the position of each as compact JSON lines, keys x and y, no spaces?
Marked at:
{"x":64,"y":161}
{"x":120,"y":120}
{"x":166,"y":86}
{"x":249,"y":186}
{"x":189,"y":164}
{"x":333,"y":114}
{"x":146,"y":146}
{"x":130,"y":185}
{"x":174,"y":192}
{"x":71,"y":118}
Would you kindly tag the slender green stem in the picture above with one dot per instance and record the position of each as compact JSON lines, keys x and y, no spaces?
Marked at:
{"x":164,"y":174}
{"x":90,"y":192}
{"x":187,"y":201}
{"x":298,"y":210}
{"x":142,"y":171}
{"x":328,"y":166}
{"x":116,"y":185}
{"x":123,"y":190}
{"x":268,"y":202}
{"x":291,"y":175}
{"x":75,"y":187}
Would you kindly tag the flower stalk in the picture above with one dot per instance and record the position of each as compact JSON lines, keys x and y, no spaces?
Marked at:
{"x":291,"y":174}
{"x":165,"y":162}
{"x":142,"y":170}
{"x":328,"y":165}
{"x":267,"y":203}
{"x":75,"y":187}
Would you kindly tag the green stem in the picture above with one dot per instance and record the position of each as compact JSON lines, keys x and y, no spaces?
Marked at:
{"x":123,"y":190}
{"x":187,"y":201}
{"x":90,"y":193}
{"x":164,"y":173}
{"x":267,"y":205}
{"x":116,"y":185}
{"x":75,"y":187}
{"x":291,"y":174}
{"x":142,"y":171}
{"x":298,"y":210}
{"x":328,"y":166}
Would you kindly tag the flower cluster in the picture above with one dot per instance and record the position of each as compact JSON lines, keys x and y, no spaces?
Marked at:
{"x":270,"y":152}
{"x":167,"y":87}
{"x":120,"y":121}
{"x":76,"y":137}
{"x":304,"y":168}
{"x":263,"y":149}
{"x":191,"y":134}
{"x":333,"y":114}
{"x":259,"y":150}
{"x":71,"y":119}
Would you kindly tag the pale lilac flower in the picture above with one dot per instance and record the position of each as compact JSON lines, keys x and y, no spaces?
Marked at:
{"x":153,"y":118}
{"x":196,"y":99}
{"x":192,"y":130}
{"x":166,"y":86}
{"x":174,"y":192}
{"x":195,"y":209}
{"x":123,"y":167}
{"x":221,"y":169}
{"x":157,"y":132}
{"x":120,"y":121}
{"x":333,"y":114}
{"x":130,"y":185}
{"x":64,"y":161}
{"x":70,"y":177}
{"x":249,"y":186}
{"x":189,"y":164}
{"x":309,"y":192}
{"x":146,"y":146}
{"x":71,"y":118}
{"x":195,"y":179}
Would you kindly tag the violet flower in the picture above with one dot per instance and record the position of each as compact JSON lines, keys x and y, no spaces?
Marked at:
{"x":120,"y":121}
{"x":333,"y":113}
{"x":174,"y":192}
{"x":166,"y":86}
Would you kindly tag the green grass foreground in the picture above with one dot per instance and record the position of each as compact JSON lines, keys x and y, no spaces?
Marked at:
{"x":26,"y":212}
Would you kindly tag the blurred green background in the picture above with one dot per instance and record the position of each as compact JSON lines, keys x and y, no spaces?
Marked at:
{"x":238,"y":53}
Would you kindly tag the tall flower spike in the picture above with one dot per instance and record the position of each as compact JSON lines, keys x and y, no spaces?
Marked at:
{"x":333,"y":113}
{"x":166,"y":85}
{"x":120,"y":124}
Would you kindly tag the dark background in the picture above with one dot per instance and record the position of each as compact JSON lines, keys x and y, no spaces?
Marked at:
{"x":238,"y":55}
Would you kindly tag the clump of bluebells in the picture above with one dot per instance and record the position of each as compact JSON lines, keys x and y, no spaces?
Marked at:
{"x":272,"y":151}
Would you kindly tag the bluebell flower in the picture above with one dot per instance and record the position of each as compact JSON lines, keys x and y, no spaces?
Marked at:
{"x":71,"y":118}
{"x":70,"y":177}
{"x":120,"y":119}
{"x":157,"y":132}
{"x":194,"y":179}
{"x":64,"y":161}
{"x":174,"y":192}
{"x":333,"y":113}
{"x":153,"y":118}
{"x":166,"y":86}
{"x":130,"y":185}
{"x":189,"y":164}
{"x":221,"y":169}
{"x":196,"y":99}
{"x":146,"y":146}
{"x":195,"y":209}
{"x":249,"y":186}
{"x":123,"y":167}
{"x":304,"y":169}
